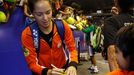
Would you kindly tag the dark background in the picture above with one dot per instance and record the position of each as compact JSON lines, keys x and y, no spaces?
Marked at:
{"x":92,"y":5}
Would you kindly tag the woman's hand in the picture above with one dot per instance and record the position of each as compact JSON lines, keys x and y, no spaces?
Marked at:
{"x":56,"y":71}
{"x":71,"y":71}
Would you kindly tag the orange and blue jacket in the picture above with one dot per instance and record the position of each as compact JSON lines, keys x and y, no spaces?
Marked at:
{"x":120,"y":72}
{"x":49,"y":55}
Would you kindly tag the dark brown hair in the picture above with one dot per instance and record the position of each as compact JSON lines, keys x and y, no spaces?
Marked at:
{"x":124,"y":41}
{"x":31,"y":3}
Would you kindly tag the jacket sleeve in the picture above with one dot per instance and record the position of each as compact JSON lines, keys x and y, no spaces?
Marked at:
{"x":88,"y":29}
{"x":28,"y":45}
{"x":70,"y":43}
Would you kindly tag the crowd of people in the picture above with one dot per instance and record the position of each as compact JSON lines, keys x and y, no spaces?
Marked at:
{"x":33,"y":42}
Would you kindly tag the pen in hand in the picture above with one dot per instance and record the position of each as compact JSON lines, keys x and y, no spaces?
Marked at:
{"x":58,"y":70}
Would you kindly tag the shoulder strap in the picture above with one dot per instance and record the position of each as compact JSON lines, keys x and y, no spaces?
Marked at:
{"x":28,"y":21}
{"x":35,"y":34}
{"x":61,"y":31}
{"x":60,"y":28}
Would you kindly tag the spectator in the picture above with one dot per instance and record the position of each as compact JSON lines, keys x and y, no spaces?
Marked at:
{"x":124,"y":51}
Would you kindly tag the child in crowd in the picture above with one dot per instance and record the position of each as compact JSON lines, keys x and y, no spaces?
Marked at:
{"x":124,"y":51}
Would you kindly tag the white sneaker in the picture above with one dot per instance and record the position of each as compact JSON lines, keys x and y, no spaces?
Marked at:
{"x":94,"y":70}
{"x":91,"y":68}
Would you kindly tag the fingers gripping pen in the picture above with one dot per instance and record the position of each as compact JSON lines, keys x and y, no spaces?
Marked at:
{"x":63,"y":73}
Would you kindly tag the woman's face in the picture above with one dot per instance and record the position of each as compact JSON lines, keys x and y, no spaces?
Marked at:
{"x":42,"y":13}
{"x":122,"y":62}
